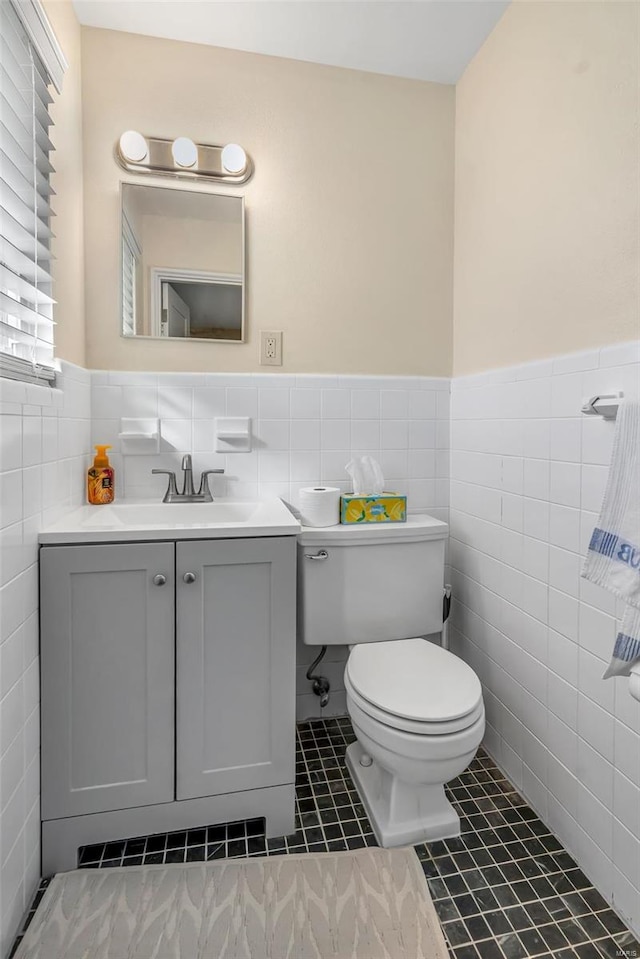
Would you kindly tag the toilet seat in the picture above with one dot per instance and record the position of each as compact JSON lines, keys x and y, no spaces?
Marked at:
{"x":415,"y":686}
{"x":401,"y":724}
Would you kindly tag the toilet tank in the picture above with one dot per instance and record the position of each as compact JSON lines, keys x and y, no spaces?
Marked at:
{"x":375,"y":583}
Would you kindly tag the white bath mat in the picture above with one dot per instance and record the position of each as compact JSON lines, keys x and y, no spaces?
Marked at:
{"x":368,"y":904}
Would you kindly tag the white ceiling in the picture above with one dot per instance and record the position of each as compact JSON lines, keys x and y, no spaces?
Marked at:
{"x":420,"y":39}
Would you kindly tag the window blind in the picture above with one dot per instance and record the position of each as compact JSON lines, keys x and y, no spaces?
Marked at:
{"x":26,"y":304}
{"x":130,"y":257}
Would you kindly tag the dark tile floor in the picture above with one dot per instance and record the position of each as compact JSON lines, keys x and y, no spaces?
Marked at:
{"x":506,"y":889}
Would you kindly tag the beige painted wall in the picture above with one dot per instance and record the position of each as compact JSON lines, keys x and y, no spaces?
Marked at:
{"x":348,"y":251}
{"x":68,"y":226}
{"x":546,"y":208}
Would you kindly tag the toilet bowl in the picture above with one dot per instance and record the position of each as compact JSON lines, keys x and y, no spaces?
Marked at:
{"x":418,"y":716}
{"x":416,"y":709}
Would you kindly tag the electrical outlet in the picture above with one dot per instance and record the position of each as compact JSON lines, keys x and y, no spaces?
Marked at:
{"x":271,"y":347}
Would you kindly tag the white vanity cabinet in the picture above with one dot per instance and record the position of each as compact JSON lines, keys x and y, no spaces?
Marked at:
{"x":168,"y":688}
{"x":107,"y":677}
{"x":235,"y":665}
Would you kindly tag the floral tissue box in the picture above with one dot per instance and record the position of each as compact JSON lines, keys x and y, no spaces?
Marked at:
{"x":381,"y":508}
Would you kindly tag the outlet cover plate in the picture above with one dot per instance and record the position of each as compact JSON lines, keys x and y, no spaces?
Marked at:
{"x":271,"y":347}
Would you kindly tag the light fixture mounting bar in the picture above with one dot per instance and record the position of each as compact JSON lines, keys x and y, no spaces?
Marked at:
{"x":160,"y":161}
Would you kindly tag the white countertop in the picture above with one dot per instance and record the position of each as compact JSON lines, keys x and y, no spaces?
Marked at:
{"x":143,"y":521}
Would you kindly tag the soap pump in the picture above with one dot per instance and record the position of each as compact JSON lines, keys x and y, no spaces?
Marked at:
{"x":101,"y":479}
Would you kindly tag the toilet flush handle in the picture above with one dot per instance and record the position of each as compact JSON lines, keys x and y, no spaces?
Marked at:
{"x":320,"y":555}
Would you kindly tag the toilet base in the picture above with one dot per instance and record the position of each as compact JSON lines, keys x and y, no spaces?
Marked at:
{"x":401,"y":814}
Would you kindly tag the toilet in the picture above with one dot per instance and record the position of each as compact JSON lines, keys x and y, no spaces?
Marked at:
{"x":416,"y":708}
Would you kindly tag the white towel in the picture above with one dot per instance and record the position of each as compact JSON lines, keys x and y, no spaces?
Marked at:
{"x":613,"y":559}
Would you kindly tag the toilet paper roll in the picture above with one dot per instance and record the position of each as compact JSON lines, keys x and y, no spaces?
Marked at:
{"x":320,"y":506}
{"x":634,"y":681}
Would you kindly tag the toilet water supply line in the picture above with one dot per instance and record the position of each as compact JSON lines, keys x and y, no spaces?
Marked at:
{"x":321,"y":685}
{"x":446,"y":609}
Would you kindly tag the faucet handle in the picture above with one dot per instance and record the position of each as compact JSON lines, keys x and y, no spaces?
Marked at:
{"x":186,"y":461}
{"x":204,"y":485}
{"x":172,"y":489}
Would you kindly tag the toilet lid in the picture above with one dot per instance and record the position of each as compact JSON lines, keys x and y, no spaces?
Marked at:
{"x":414,"y":679}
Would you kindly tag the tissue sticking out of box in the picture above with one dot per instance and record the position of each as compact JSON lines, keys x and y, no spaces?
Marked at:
{"x":366,"y":476}
{"x":369,"y":503}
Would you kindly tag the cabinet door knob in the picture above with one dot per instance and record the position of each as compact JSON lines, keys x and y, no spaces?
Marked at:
{"x":159,"y":579}
{"x":189,"y":577}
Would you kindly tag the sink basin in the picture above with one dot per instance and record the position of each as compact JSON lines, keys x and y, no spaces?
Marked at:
{"x":124,"y":522}
{"x":168,"y":514}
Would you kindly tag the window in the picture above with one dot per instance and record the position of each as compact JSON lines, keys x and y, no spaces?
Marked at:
{"x":26,"y":304}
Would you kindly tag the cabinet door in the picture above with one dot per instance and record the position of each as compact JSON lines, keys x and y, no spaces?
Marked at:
{"x":107,"y":669}
{"x":235,"y":660}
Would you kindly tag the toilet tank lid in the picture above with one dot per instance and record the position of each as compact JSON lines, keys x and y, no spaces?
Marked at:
{"x":415,"y":679}
{"x":419,"y":526}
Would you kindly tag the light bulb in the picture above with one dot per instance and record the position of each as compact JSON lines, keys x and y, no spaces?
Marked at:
{"x":133,"y":146}
{"x":185,"y":152}
{"x":234,"y":159}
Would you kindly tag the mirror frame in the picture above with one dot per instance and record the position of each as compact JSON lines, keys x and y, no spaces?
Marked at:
{"x":182,"y":339}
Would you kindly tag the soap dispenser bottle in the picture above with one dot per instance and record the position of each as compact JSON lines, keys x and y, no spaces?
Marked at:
{"x":101,"y":479}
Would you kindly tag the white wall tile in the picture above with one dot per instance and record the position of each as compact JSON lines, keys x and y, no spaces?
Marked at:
{"x":394,"y":404}
{"x":335,"y":435}
{"x":272,"y":434}
{"x":305,"y":404}
{"x":305,"y":434}
{"x":174,"y":403}
{"x":273,"y":466}
{"x":337,"y":416}
{"x":242,"y":401}
{"x":11,"y":431}
{"x":365,"y":435}
{"x":564,"y":483}
{"x":422,"y":404}
{"x":176,"y":434}
{"x":592,"y":736}
{"x":565,"y":440}
{"x":365,"y":404}
{"x":140,"y":401}
{"x":203,"y":435}
{"x":394,"y":434}
{"x":535,"y":558}
{"x":564,"y":527}
{"x":210,"y":402}
{"x":335,"y":404}
{"x":597,"y":631}
{"x":305,"y":466}
{"x":593,"y":483}
{"x":273,"y":404}
{"x":422,"y":435}
{"x":44,"y":457}
{"x":595,"y":726}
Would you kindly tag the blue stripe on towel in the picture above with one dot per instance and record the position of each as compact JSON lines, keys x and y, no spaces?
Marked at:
{"x":603,"y":542}
{"x":627,"y":648}
{"x":616,"y":548}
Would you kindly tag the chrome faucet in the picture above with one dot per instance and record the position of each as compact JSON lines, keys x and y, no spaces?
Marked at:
{"x":187,"y":470}
{"x":188,"y":494}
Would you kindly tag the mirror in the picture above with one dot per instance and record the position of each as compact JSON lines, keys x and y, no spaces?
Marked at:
{"x":182,"y":264}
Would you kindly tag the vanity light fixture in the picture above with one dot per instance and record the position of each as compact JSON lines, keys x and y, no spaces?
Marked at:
{"x":184,"y":152}
{"x":133,"y":146}
{"x":182,"y":157}
{"x":234,"y":159}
